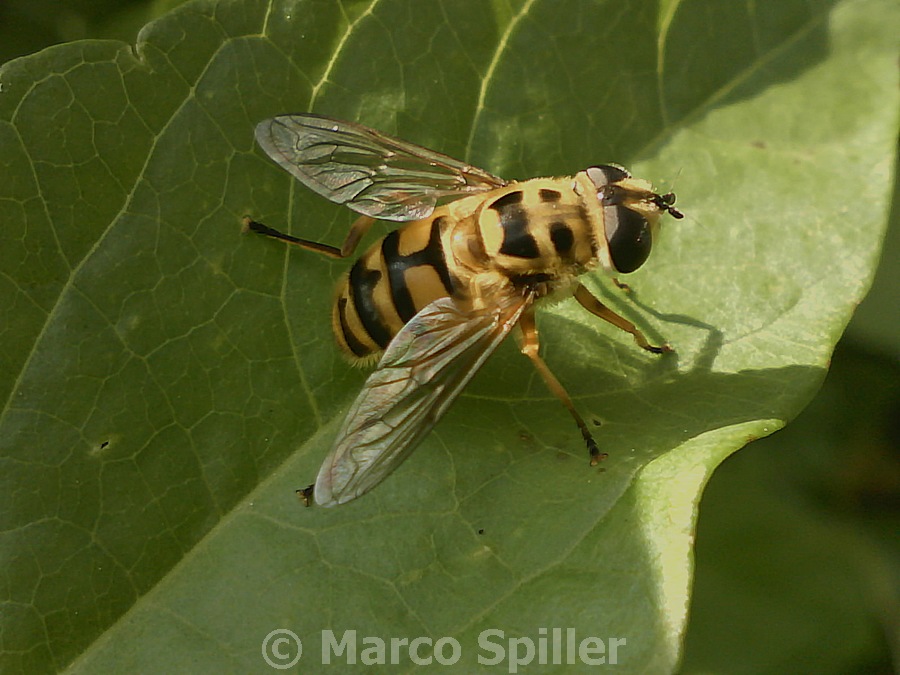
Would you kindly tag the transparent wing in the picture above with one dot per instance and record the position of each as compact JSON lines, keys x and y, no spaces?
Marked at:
{"x":421,"y":373}
{"x":371,"y":173}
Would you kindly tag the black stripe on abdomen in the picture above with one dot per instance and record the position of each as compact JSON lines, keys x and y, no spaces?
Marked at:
{"x":362,"y":285}
{"x":432,"y":255}
{"x":396,"y":267}
{"x":353,"y":344}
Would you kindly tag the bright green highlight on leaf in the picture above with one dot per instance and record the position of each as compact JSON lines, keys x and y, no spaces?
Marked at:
{"x":168,"y":383}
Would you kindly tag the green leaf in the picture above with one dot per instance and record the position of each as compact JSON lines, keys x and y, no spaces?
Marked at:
{"x":168,"y":383}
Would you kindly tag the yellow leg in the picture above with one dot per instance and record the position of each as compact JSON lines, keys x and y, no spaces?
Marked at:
{"x":360,"y":226}
{"x":530,"y":347}
{"x":597,"y":308}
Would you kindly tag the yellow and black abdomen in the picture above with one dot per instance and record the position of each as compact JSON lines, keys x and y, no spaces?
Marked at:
{"x":398,"y":276}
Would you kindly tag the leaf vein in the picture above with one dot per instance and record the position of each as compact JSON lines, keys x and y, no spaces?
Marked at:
{"x":492,"y":67}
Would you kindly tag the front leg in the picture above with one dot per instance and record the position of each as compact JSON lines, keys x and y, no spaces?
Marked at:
{"x":597,"y":308}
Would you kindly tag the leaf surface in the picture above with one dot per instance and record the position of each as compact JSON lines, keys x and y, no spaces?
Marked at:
{"x":168,"y":383}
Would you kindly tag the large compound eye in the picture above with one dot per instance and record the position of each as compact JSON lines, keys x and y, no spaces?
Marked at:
{"x":627,"y":232}
{"x":629,"y":236}
{"x":606,"y":174}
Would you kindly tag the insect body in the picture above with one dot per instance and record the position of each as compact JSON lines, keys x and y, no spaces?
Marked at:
{"x":436,"y":296}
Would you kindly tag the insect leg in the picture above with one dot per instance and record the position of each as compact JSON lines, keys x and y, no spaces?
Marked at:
{"x":530,"y":347}
{"x":306,"y":494}
{"x":621,"y":284}
{"x":360,"y":226}
{"x":597,"y":308}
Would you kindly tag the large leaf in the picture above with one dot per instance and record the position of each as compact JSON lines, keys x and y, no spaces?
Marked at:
{"x":168,"y":383}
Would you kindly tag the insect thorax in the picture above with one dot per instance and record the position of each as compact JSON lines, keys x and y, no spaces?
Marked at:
{"x":531,"y":236}
{"x":537,"y":228}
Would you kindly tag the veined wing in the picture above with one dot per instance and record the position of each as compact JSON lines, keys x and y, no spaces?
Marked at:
{"x":373,"y":174}
{"x":423,"y":370}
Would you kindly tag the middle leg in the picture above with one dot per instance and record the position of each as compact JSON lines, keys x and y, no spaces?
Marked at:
{"x":530,"y":347}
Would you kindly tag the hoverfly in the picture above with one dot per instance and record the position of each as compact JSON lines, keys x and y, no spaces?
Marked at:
{"x":436,"y":296}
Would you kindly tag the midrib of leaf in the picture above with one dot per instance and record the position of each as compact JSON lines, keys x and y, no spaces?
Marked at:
{"x":489,"y":73}
{"x":314,"y":95}
{"x":339,"y":49}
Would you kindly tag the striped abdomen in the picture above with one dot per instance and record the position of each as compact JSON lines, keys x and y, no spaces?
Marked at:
{"x":398,"y":276}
